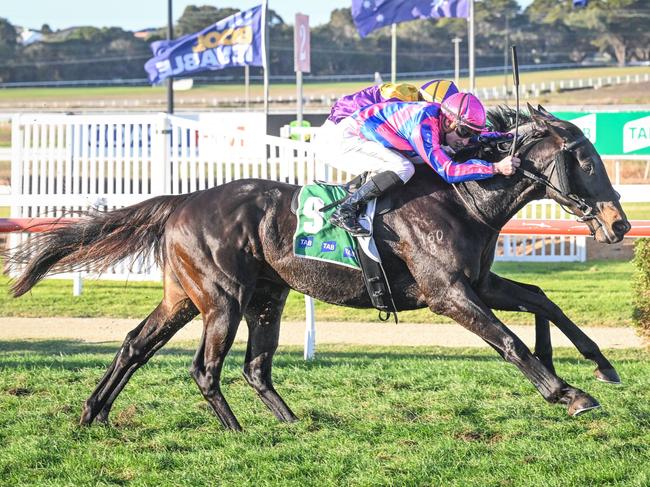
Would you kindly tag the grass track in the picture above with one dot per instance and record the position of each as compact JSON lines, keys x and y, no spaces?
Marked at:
{"x":371,"y":416}
{"x":591,"y":293}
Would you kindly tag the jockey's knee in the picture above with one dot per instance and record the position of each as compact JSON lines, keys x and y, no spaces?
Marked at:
{"x":406,"y":171}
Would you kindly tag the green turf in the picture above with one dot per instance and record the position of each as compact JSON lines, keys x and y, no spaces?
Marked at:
{"x":368,"y":416}
{"x":591,"y":293}
{"x":637,"y":211}
{"x":5,"y":133}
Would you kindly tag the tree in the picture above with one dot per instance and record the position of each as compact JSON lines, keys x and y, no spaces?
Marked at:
{"x":7,"y":48}
{"x":195,"y":19}
{"x":616,"y":25}
{"x":8,"y":37}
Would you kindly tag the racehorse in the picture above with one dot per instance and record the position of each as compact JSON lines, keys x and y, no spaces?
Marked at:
{"x":227,"y":252}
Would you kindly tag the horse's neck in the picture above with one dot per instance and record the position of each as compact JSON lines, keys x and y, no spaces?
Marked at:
{"x":496,"y":204}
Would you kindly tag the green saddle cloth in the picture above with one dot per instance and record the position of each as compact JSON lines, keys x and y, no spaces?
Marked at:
{"x":315,"y":237}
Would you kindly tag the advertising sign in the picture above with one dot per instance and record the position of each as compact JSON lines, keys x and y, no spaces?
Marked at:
{"x":614,"y":133}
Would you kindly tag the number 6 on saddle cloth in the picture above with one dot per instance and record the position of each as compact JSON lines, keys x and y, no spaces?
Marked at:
{"x":316,"y":238}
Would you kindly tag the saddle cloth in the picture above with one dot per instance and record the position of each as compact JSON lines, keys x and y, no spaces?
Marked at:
{"x":316,"y":238}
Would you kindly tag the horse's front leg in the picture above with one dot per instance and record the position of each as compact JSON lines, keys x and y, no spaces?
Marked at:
{"x":462,"y":304}
{"x":506,"y":295}
{"x":543,"y":348}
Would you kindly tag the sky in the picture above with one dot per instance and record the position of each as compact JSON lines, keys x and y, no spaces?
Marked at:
{"x":140,"y":14}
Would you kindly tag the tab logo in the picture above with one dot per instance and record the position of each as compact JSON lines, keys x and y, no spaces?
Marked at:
{"x":305,"y":242}
{"x":588,"y":126}
{"x":636,"y":135}
{"x":349,"y":253}
{"x":329,"y":246}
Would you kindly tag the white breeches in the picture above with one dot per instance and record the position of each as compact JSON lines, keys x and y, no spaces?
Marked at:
{"x":340,"y":147}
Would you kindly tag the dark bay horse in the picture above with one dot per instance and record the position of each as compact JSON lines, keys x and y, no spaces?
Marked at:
{"x":227,"y":253}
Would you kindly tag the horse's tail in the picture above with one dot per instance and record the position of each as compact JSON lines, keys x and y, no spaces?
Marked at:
{"x":95,"y":242}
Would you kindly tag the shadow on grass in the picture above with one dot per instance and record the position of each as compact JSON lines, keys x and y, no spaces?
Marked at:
{"x":327,"y":357}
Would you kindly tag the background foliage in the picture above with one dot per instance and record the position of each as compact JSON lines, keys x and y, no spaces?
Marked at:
{"x":642,"y":285}
{"x":606,"y":29}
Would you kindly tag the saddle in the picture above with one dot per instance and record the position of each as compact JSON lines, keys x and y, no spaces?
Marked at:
{"x":367,"y":254}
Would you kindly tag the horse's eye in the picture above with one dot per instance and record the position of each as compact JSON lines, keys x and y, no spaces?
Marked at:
{"x":586,"y":166}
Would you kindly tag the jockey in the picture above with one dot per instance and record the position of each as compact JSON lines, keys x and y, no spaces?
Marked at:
{"x":437,"y":90}
{"x":434,"y":91}
{"x":378,"y":138}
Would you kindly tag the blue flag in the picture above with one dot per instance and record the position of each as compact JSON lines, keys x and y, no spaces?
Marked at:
{"x":233,"y":41}
{"x":370,"y":15}
{"x":580,"y":3}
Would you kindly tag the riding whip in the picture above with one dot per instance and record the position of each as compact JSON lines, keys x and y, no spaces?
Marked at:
{"x":515,"y":80}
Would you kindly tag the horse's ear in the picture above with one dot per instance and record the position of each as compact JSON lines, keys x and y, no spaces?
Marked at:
{"x":531,"y":109}
{"x":541,"y":122}
{"x":538,"y":117}
{"x":546,"y":113}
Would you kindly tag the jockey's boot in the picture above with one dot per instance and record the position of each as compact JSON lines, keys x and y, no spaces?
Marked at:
{"x":346,"y":215}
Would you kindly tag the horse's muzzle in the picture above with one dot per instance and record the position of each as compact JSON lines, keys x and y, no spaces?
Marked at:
{"x":610,"y":224}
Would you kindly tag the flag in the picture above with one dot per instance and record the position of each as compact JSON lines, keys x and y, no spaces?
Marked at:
{"x":233,"y":41}
{"x":580,"y":3}
{"x":369,"y":15}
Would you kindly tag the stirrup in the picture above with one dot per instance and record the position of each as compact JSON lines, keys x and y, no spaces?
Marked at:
{"x":356,"y":230}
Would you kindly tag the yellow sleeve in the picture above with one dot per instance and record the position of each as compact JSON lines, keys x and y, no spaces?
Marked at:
{"x":401,"y":91}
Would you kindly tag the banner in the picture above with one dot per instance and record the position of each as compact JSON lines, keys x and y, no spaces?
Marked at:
{"x":233,"y":41}
{"x":614,"y":133}
{"x":370,"y":15}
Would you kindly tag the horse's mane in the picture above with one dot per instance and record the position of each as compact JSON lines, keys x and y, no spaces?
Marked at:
{"x":502,"y":119}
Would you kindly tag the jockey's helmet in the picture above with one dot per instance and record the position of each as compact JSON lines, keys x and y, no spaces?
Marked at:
{"x":438,"y":90}
{"x":464,"y":112}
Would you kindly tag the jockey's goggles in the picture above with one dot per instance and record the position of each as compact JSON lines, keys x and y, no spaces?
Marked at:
{"x":465,"y":132}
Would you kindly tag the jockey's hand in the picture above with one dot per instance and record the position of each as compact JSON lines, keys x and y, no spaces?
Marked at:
{"x":507,"y":166}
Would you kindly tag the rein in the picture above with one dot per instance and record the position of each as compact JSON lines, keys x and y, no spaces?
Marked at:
{"x":473,"y":209}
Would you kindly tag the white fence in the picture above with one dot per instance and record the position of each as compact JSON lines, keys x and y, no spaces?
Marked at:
{"x":547,"y":248}
{"x":537,"y":89}
{"x":73,"y":162}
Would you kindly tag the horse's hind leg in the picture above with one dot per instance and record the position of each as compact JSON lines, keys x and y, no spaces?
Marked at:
{"x":263,"y":315}
{"x":220,"y":328}
{"x":140,"y":344}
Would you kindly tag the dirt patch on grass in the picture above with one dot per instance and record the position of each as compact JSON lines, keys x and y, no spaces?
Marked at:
{"x":293,"y":333}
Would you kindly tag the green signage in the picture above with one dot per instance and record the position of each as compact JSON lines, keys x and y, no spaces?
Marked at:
{"x":614,"y":133}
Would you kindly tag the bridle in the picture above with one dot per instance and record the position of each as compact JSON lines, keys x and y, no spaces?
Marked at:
{"x":559,"y":165}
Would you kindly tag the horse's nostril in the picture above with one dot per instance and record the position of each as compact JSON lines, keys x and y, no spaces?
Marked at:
{"x":620,"y":227}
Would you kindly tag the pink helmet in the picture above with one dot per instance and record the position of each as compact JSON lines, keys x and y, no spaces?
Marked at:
{"x":463,"y":109}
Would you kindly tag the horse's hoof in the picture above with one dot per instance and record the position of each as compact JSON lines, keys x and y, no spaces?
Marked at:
{"x":102,"y":418}
{"x":607,"y":375}
{"x":86,"y":419}
{"x":86,"y":415}
{"x":581,"y":404}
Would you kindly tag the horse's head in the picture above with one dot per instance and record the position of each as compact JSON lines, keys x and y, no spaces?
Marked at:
{"x":571,"y":163}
